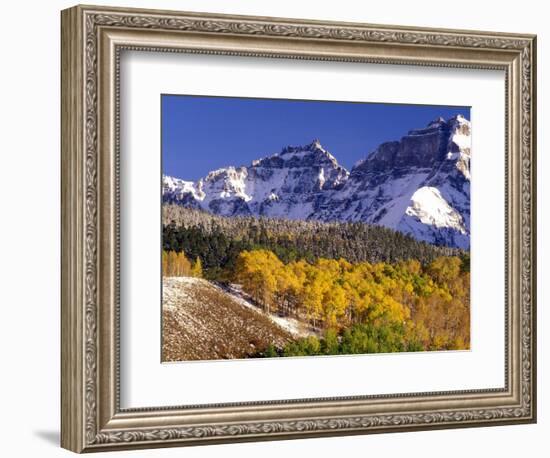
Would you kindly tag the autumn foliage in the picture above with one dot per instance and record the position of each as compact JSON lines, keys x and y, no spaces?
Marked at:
{"x":363,"y":307}
{"x":359,"y":288}
{"x":177,"y":265}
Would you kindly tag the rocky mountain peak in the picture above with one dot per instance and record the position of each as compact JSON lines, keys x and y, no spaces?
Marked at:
{"x":422,"y":148}
{"x":312,"y":153}
{"x":300,"y":169}
{"x":437,"y":122}
{"x":314,"y":146}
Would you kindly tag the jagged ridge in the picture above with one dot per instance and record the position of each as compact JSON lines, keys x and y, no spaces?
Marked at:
{"x":419,"y":185}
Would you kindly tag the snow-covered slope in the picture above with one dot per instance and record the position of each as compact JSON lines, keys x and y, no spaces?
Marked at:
{"x":419,"y":185}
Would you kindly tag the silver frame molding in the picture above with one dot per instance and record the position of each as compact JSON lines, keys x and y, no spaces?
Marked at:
{"x":92,"y":40}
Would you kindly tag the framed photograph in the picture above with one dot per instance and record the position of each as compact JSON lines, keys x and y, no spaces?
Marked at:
{"x":278,"y":228}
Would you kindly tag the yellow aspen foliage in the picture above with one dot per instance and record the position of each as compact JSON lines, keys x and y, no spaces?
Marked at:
{"x":445,"y":269}
{"x":430,"y":304}
{"x":257,"y":272}
{"x":313,"y":294}
{"x":172,"y":264}
{"x":175,"y":264}
{"x":196,"y":269}
{"x":334,"y":305}
{"x":183,"y":266}
{"x":164,"y":263}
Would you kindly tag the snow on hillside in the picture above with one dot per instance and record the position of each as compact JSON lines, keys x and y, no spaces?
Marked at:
{"x":295,"y":327}
{"x":202,"y":321}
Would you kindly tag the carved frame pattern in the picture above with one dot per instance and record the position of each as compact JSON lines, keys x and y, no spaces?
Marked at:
{"x":82,"y":400}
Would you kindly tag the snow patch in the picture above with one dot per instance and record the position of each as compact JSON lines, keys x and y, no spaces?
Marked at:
{"x":291,"y":325}
{"x":321,"y":178}
{"x":429,"y":206}
{"x":461,"y":140}
{"x":400,"y":190}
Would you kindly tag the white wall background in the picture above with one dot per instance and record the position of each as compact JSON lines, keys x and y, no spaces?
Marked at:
{"x":29,"y":229}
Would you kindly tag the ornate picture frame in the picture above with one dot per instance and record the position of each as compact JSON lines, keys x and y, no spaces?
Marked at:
{"x":92,"y":41}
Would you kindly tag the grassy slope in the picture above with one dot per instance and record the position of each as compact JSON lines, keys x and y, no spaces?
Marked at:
{"x":200,"y":322}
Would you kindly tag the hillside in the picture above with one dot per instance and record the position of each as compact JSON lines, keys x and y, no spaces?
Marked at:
{"x":200,"y":321}
{"x":328,"y":307}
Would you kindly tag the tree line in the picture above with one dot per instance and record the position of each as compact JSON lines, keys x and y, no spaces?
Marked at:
{"x":218,"y":240}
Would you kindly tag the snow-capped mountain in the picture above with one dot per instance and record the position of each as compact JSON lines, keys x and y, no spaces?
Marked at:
{"x":419,"y":185}
{"x":289,"y":184}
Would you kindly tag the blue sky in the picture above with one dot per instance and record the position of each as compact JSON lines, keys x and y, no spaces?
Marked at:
{"x":200,"y":134}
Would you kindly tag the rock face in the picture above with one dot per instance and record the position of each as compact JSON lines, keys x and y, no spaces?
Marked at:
{"x":419,"y":185}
